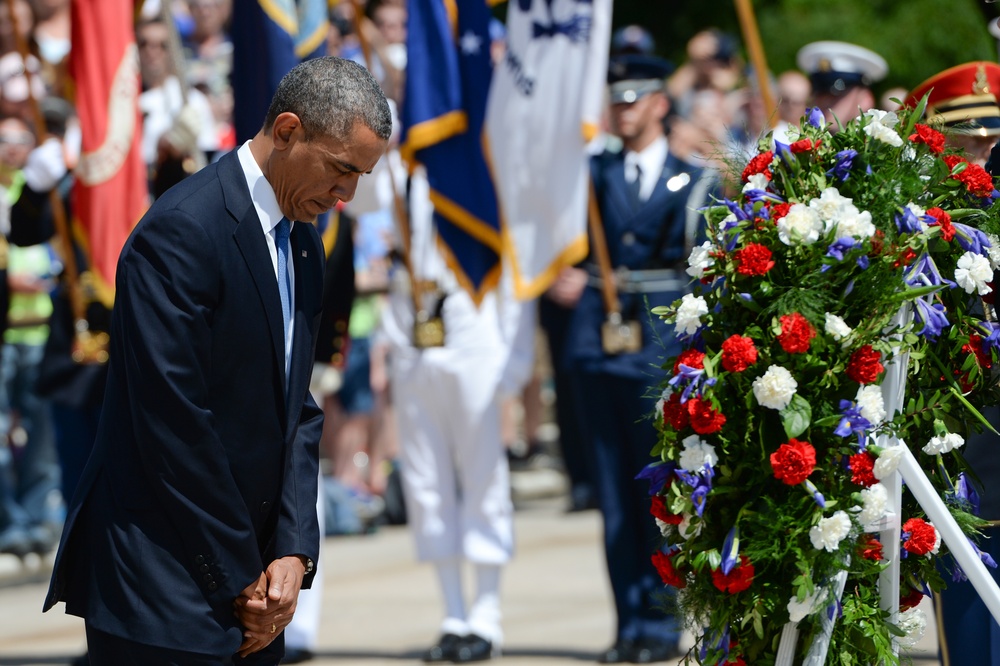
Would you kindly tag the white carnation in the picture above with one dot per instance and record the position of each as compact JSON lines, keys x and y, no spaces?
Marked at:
{"x":837,"y":328}
{"x":700,"y":260}
{"x":687,"y":530}
{"x":913,"y":623}
{"x":880,"y":124}
{"x":666,"y":529}
{"x":830,"y":204}
{"x":828,"y":534}
{"x":874,"y":506}
{"x":798,"y":610}
{"x":871,"y":404}
{"x":697,"y":453}
{"x":758,"y":181}
{"x":887,"y":462}
{"x":994,"y":251}
{"x":973,"y":273}
{"x":689,"y":314}
{"x":801,"y":226}
{"x":943,"y":443}
{"x":775,"y":388}
{"x":855,"y":224}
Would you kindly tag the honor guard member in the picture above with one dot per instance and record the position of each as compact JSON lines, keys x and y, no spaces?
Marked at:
{"x":841,"y":75}
{"x":962,"y":103}
{"x":647,"y":198}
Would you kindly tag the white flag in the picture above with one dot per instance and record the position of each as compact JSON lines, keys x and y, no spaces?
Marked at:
{"x":544,"y":107}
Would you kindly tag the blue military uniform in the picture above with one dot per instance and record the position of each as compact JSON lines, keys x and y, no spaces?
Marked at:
{"x":648,"y":241}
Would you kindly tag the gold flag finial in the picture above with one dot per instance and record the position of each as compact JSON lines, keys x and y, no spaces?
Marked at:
{"x":981,"y":86}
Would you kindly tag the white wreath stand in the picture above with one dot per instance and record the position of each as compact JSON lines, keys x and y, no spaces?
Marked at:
{"x":909,"y":471}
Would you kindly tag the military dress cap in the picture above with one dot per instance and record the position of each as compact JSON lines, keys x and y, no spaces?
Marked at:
{"x":632,"y":39}
{"x":836,"y":67}
{"x":963,"y":98}
{"x":633,"y":76}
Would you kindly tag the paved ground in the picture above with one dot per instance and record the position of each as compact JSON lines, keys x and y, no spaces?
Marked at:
{"x":382,"y":609}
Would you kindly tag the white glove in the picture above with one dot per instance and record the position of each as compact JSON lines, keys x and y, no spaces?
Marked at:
{"x":45,"y":166}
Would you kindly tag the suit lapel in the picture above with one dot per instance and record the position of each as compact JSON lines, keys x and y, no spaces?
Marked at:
{"x":249,"y":238}
{"x":308,"y":270}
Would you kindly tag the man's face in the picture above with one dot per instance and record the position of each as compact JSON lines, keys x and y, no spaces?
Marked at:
{"x":391,"y":22}
{"x":154,"y":54}
{"x":16,"y":141}
{"x":629,"y":121}
{"x":845,"y":107}
{"x":310,"y":177}
{"x":976,"y":148}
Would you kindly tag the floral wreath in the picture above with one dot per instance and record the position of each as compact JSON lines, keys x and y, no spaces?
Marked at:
{"x":843,"y":249}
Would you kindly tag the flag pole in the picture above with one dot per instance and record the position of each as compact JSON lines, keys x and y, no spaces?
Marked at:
{"x":751,"y":37}
{"x":84,"y":350}
{"x":399,"y":205}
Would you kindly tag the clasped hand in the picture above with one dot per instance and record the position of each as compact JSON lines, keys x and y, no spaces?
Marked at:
{"x":266,"y":606}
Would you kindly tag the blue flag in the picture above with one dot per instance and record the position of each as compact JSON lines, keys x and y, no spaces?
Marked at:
{"x":448,"y":75}
{"x":269,"y":38}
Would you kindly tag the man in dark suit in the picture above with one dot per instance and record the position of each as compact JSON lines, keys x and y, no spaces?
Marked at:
{"x":194,"y":525}
{"x":647,"y":198}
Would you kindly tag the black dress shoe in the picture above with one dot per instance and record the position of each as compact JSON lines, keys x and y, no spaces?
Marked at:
{"x":618,"y":653}
{"x":473,"y":648}
{"x":652,"y":650}
{"x":296,"y":656}
{"x":445,"y":650}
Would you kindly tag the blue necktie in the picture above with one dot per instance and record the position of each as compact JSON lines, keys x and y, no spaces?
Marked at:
{"x":284,"y":280}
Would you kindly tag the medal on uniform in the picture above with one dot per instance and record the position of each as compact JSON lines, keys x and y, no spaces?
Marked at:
{"x":619,"y":336}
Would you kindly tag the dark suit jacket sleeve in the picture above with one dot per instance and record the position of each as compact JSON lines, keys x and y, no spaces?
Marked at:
{"x":298,"y":530}
{"x":167,"y":288}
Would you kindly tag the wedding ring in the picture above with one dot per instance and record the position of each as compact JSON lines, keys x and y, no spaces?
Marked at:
{"x":274,"y":627}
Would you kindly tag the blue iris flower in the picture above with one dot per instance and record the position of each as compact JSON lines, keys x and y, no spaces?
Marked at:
{"x":731,"y":550}
{"x":842,"y":168}
{"x":852,"y":422}
{"x":908,"y":222}
{"x":816,"y":118}
{"x":965,"y":492}
{"x":838,"y":249}
{"x":701,"y":482}
{"x":971,"y":239}
{"x":924,"y":273}
{"x":933,"y":317}
{"x":657,"y":473}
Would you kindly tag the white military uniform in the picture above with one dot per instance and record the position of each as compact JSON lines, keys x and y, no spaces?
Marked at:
{"x":447,"y":404}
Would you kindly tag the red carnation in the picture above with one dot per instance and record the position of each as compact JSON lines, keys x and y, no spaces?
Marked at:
{"x":738,"y":579}
{"x":704,"y":419}
{"x":871,"y":549}
{"x":674,"y":413}
{"x":923,"y":537}
{"x":759,"y":164}
{"x":738,"y":353}
{"x":862,"y":469}
{"x":692,"y":358}
{"x":804,"y":145}
{"x":864,"y":366}
{"x":796,"y":332}
{"x":905,"y":258}
{"x":779,"y":210}
{"x":793,"y":462}
{"x":658,"y":507}
{"x":929,"y":136}
{"x":911,"y":599}
{"x":665,"y":567}
{"x":754,"y":259}
{"x":975,"y":346}
{"x":944,"y":221}
{"x":974,"y":177}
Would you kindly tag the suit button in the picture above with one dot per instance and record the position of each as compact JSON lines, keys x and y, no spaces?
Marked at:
{"x":207,"y":578}
{"x":265,"y":507}
{"x":628,"y":238}
{"x":203,"y":568}
{"x":212,"y":587}
{"x":199,"y":559}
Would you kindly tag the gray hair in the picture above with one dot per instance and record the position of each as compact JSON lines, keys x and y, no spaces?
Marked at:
{"x":330,"y":95}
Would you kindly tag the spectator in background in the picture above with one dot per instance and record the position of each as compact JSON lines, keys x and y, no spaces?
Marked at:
{"x":841,"y":76}
{"x":178,"y":128}
{"x":31,"y":505}
{"x":208,"y":54}
{"x":712,"y":64}
{"x":51,"y":35}
{"x":793,"y":98}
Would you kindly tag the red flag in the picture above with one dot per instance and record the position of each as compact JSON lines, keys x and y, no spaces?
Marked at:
{"x":111,"y":191}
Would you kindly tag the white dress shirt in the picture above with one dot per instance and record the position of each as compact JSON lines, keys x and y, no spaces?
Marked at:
{"x":266,"y":205}
{"x":650,"y":161}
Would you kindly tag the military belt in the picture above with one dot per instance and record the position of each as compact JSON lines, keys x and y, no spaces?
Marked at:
{"x":651,"y":281}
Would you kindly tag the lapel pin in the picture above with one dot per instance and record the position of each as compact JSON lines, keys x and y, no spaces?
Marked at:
{"x":305,"y":253}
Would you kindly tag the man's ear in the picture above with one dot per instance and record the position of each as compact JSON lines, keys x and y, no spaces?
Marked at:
{"x":662,"y":105}
{"x":287,"y":128}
